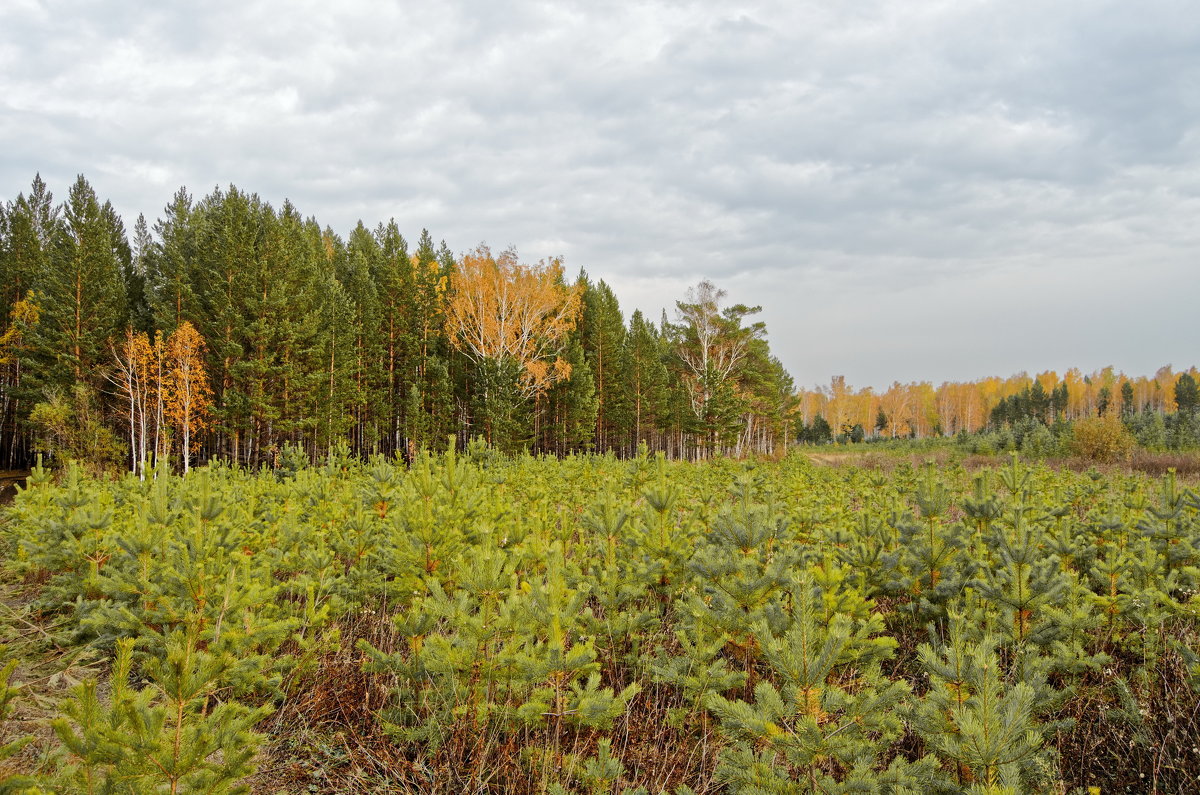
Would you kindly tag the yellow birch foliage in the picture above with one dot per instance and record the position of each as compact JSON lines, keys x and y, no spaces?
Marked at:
{"x":136,"y":365}
{"x":187,"y":394}
{"x":500,"y":309}
{"x":23,"y":315}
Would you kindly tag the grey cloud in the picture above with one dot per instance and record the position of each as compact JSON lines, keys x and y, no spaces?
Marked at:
{"x":866,"y":169}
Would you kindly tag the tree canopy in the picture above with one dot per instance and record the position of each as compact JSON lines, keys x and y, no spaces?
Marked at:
{"x":236,"y":330}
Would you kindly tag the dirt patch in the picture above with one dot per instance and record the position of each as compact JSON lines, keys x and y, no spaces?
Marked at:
{"x":9,"y":480}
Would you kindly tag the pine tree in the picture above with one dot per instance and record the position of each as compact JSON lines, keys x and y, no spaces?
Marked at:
{"x":137,"y":278}
{"x":392,"y":271}
{"x":369,"y":401}
{"x":291,"y":366}
{"x":172,"y":263}
{"x":570,"y":422}
{"x":646,"y":380}
{"x":84,"y":306}
{"x":766,"y":398}
{"x":340,"y":401}
{"x":230,"y":238}
{"x":602,"y":336}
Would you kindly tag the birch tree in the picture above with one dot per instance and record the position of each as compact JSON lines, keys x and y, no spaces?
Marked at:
{"x":711,"y":344}
{"x":187,"y":391}
{"x":511,"y":320}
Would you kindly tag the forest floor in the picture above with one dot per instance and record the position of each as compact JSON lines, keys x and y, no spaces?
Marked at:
{"x":48,"y":667}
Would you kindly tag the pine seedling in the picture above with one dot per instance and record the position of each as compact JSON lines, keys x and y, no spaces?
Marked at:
{"x":1076,"y":621}
{"x":563,"y":670}
{"x":621,"y":583}
{"x":597,"y":775}
{"x":832,"y":711}
{"x":10,"y":783}
{"x":743,"y":569}
{"x":867,"y":557}
{"x":1110,"y":580}
{"x":933,"y":566}
{"x":430,"y":521}
{"x":1022,"y":580}
{"x":1173,"y":531}
{"x":168,"y":737}
{"x":198,"y":580}
{"x":982,"y":507}
{"x":982,"y":728}
{"x":660,"y":542}
{"x":699,"y":672}
{"x":1016,"y":478}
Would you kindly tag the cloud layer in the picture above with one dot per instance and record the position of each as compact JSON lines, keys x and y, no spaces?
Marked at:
{"x":920,"y":190}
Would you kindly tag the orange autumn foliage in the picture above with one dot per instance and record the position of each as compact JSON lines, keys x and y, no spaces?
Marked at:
{"x":502,"y":310}
{"x":187,"y":393}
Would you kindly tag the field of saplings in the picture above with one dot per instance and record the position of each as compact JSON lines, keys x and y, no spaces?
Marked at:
{"x":479,"y":624}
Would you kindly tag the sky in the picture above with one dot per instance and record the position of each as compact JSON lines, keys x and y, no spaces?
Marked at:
{"x":912,"y":191}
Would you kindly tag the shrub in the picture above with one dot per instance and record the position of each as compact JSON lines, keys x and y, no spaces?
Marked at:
{"x":1103,"y":439}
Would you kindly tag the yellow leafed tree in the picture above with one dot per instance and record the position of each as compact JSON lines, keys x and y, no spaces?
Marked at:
{"x":502,"y":310}
{"x":23,"y":315}
{"x":187,"y":394}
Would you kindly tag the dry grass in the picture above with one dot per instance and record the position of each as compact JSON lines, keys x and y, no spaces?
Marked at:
{"x":1186,"y":465}
{"x":1156,"y":749}
{"x":327,"y":738}
{"x":45,"y":674}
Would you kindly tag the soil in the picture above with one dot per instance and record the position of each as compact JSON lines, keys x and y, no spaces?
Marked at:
{"x":9,"y":480}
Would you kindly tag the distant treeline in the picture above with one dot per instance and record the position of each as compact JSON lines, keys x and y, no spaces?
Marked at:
{"x":229,"y":329}
{"x":1161,"y":411}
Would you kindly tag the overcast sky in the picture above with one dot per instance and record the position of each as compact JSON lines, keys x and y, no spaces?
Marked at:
{"x":911,"y":190}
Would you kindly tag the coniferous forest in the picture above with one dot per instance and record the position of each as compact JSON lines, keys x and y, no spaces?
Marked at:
{"x":229,"y":330}
{"x":256,"y":332}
